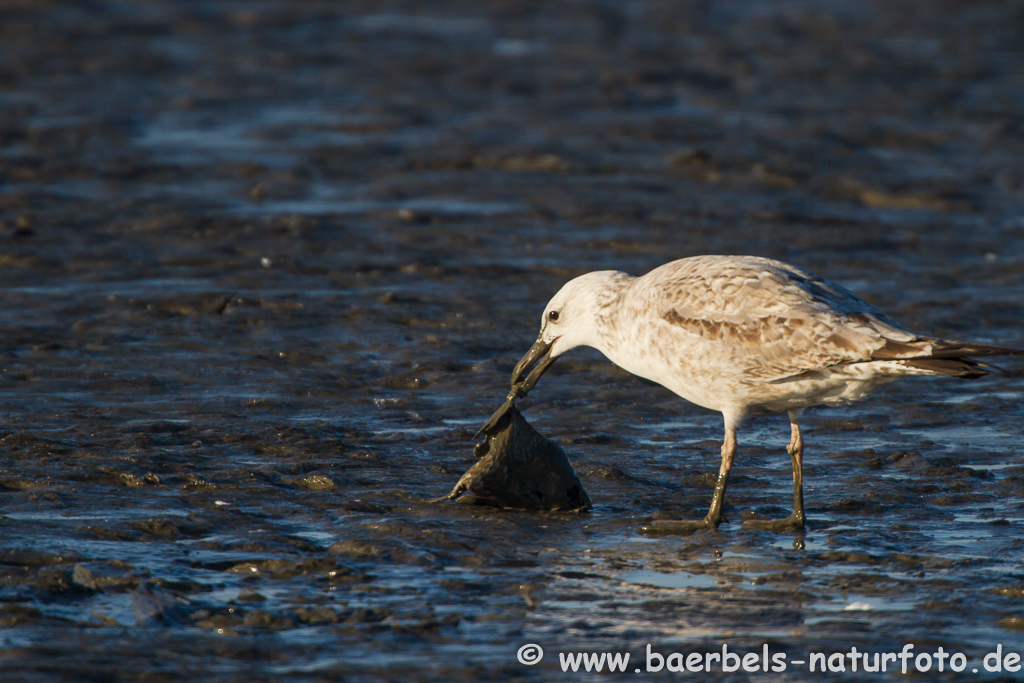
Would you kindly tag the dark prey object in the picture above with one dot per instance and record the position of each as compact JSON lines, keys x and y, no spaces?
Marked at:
{"x":519,"y":468}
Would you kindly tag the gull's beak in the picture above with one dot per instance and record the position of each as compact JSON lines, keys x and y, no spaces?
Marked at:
{"x":538,"y":358}
{"x":536,"y":362}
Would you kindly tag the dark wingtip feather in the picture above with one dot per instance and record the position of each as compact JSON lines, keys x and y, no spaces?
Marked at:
{"x":943,"y":348}
{"x":946,"y":357}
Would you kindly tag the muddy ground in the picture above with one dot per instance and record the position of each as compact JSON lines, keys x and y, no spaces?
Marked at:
{"x":265,"y":269}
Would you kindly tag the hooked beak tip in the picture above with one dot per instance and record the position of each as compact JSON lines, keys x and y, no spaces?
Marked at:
{"x":534,"y":364}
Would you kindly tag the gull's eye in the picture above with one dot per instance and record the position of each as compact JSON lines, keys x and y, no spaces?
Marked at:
{"x":553,"y":316}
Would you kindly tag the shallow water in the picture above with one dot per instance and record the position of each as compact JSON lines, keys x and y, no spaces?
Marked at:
{"x":265,"y":269}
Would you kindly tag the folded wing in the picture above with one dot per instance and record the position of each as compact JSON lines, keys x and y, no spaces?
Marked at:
{"x":779,"y":322}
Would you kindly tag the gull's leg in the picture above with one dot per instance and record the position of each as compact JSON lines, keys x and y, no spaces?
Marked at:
{"x":728,"y":454}
{"x":794,"y":522}
{"x":668,"y":527}
{"x":796,"y":452}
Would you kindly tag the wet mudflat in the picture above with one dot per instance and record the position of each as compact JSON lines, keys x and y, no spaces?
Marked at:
{"x":265,"y":269}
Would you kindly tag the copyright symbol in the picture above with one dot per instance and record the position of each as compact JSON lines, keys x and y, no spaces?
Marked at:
{"x":530,"y":654}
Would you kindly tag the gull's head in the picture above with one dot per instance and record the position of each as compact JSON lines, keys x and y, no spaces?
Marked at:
{"x":569,"y":320}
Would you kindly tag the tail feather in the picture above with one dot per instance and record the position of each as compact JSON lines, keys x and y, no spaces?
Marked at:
{"x":953,"y":367}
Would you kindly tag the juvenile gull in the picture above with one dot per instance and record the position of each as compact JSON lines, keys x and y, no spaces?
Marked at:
{"x":745,"y":336}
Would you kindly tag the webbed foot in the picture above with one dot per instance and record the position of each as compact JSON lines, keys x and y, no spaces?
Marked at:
{"x":791,"y":523}
{"x":677,"y":527}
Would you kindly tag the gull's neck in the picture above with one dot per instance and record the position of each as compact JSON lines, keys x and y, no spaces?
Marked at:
{"x":606,"y":302}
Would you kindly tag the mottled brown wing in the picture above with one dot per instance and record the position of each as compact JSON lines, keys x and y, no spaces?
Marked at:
{"x":775,"y":321}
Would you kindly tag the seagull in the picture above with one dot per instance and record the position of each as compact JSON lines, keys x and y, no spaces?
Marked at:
{"x":745,"y":336}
